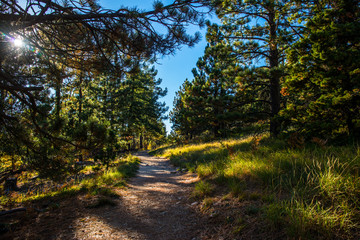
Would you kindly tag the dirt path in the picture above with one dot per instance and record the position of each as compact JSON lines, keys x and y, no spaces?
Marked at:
{"x":156,"y":205}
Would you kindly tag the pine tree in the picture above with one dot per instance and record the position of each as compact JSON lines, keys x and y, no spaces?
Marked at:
{"x":207,"y":105}
{"x":189,"y":113}
{"x":324,"y":78}
{"x":217,"y":67}
{"x":140,"y":112}
{"x":259,"y":31}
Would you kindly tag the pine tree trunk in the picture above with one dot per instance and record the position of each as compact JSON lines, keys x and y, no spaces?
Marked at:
{"x":275,"y":106}
{"x":58,"y":97}
{"x":134,"y":143}
{"x":141,"y":141}
{"x":349,"y":123}
{"x":80,"y":99}
{"x":2,"y":93}
{"x":80,"y":107}
{"x":274,"y":78}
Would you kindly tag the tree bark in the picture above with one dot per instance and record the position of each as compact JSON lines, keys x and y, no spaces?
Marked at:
{"x":80,"y":106}
{"x":141,"y":141}
{"x":2,"y":213}
{"x":274,"y":77}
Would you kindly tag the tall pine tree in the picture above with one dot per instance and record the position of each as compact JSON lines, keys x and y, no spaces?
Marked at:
{"x":324,"y":78}
{"x":259,"y":31}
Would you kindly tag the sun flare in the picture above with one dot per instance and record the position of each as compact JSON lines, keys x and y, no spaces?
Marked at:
{"x":18,"y":42}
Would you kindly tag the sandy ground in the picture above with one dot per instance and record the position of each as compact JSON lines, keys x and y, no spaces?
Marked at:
{"x":156,"y":205}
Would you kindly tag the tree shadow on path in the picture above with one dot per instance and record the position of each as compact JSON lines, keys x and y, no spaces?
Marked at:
{"x":155,"y":205}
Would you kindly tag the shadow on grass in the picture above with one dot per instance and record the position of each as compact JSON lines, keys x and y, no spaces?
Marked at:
{"x":160,"y":150}
{"x":316,"y":189}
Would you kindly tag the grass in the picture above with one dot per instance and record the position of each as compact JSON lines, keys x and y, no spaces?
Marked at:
{"x":160,"y":150}
{"x":100,"y":184}
{"x":114,"y":177}
{"x":202,"y":189}
{"x":311,"y":192}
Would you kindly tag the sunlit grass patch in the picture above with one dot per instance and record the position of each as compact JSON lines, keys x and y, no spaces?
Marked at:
{"x":311,"y":192}
{"x":307,"y":219}
{"x":115,"y":176}
{"x":10,"y":162}
{"x":246,"y":164}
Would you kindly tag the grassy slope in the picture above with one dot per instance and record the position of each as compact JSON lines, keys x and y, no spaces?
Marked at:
{"x":308,"y":193}
{"x":101,"y":183}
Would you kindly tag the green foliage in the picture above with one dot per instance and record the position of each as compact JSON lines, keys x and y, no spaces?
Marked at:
{"x":323,"y":81}
{"x":207,"y":105}
{"x":287,"y":65}
{"x":258,"y":32}
{"x":95,"y":117}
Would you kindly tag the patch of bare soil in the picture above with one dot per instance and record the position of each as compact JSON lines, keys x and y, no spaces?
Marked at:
{"x":156,"y":205}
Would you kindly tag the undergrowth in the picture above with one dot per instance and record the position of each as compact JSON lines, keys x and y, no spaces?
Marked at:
{"x":309,"y":193}
{"x":101,"y":183}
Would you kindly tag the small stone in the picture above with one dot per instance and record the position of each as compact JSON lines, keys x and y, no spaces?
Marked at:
{"x":213,"y":214}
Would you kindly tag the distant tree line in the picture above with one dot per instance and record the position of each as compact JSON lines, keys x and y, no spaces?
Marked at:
{"x":277,"y":66}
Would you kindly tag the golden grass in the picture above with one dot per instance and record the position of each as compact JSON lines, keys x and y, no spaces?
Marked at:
{"x":317,"y":188}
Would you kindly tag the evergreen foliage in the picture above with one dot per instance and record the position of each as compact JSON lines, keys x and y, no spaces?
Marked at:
{"x":208,"y":103}
{"x":324,"y":75}
{"x":292,"y":64}
{"x":259,"y":32}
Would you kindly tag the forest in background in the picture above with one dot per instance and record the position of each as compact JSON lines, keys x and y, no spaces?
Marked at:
{"x":77,"y":81}
{"x":290,"y":68}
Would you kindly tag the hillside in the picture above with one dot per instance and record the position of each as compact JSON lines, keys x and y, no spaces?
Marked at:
{"x":266,"y":189}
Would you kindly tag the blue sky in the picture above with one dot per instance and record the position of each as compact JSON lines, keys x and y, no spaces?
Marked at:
{"x":174,"y":69}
